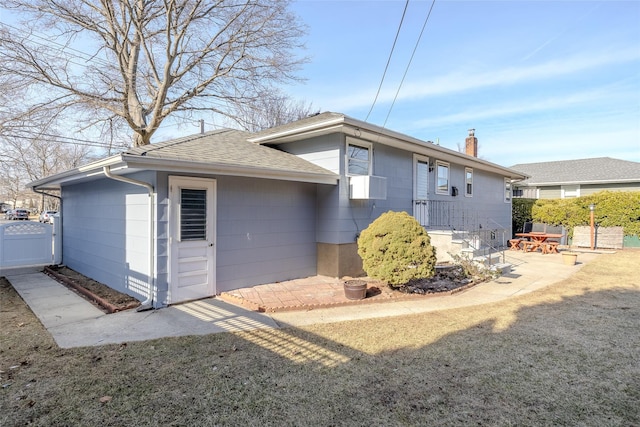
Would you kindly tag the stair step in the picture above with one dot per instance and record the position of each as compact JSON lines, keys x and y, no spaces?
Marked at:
{"x":503,"y":268}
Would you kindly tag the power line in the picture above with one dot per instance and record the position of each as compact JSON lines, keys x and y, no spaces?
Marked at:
{"x":66,"y":140}
{"x":409,"y":64}
{"x":388,"y":60}
{"x":47,"y":42}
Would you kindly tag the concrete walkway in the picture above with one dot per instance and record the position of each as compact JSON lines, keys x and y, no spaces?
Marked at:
{"x":74,"y":322}
{"x":530,"y":272}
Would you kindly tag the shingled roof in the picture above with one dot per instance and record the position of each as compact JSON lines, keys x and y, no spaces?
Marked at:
{"x":220,"y":152}
{"x":229,"y":148}
{"x":580,"y":171}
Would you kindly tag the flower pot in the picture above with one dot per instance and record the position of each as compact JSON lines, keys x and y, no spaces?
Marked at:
{"x":569,"y":258}
{"x":355,"y":289}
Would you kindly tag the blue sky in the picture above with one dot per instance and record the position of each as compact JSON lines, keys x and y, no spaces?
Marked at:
{"x":538,"y":80}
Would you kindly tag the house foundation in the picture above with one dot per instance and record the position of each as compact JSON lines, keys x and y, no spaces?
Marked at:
{"x":339,"y":260}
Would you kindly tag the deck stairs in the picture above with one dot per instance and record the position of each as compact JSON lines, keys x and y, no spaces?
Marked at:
{"x":483,"y":247}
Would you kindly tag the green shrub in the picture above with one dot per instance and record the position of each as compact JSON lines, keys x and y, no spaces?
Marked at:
{"x":521,"y":213}
{"x":396,"y":248}
{"x":613,"y":209}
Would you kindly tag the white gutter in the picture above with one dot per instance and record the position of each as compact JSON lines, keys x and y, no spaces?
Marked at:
{"x":148,"y":303}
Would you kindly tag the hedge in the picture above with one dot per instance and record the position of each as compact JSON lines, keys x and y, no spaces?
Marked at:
{"x":613,"y":209}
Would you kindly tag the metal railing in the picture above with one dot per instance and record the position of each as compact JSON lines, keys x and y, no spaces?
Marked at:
{"x":444,"y":214}
{"x":465,"y":225}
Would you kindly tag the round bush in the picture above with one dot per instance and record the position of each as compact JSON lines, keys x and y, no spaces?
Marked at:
{"x":396,"y":248}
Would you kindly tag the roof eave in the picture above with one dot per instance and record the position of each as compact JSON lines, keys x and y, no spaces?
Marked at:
{"x":89,"y":170}
{"x":367,"y":131}
{"x":182,"y":166}
{"x":603,"y":181}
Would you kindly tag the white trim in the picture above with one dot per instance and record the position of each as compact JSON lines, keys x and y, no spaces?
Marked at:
{"x":467,"y":194}
{"x":508,"y":195}
{"x":362,"y":144}
{"x":437,"y":177}
{"x":175,"y":183}
{"x":573,"y":190}
{"x":419,"y":158}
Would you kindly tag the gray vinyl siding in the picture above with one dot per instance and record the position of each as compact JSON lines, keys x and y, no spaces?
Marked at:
{"x":105,"y":233}
{"x":586,"y":189}
{"x":554,"y":192}
{"x":323,"y":151}
{"x":265,"y":231}
{"x":340,"y":219}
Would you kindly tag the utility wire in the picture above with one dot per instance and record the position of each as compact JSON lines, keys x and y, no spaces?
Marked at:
{"x":409,"y":64}
{"x":66,"y":140}
{"x":388,"y":60}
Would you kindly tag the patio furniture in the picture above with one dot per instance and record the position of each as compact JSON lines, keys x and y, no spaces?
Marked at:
{"x":514,"y":244}
{"x":537,"y":240}
{"x":530,"y":246}
{"x":550,"y":247}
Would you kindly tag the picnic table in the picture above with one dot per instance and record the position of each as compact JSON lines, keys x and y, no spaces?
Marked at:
{"x":538,"y":240}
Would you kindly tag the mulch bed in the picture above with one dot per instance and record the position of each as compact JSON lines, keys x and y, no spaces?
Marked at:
{"x":107,"y":299}
{"x":448,"y":278}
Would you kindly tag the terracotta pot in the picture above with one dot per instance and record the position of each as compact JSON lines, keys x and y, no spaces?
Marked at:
{"x":569,"y":258}
{"x":355,"y":289}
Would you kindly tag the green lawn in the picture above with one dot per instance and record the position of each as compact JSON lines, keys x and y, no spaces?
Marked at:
{"x":565,"y":355}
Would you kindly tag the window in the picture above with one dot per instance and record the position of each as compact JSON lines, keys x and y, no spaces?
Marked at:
{"x":507,"y":190}
{"x":570,"y":191}
{"x":358,"y":159}
{"x":468,"y":181}
{"x":193,"y":214}
{"x":442,"y":183}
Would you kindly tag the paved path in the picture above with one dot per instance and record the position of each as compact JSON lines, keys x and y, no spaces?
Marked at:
{"x":74,"y":322}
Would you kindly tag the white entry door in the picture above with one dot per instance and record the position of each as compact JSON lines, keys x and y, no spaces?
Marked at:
{"x":421,"y":189}
{"x":192,"y":238}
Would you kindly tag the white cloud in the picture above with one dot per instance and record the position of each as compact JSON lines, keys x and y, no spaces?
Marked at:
{"x":468,"y":80}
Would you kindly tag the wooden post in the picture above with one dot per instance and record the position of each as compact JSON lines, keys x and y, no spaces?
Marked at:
{"x":592,"y":208}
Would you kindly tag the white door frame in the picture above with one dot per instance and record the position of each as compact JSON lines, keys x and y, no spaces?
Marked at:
{"x":421,"y":201}
{"x":192,"y":262}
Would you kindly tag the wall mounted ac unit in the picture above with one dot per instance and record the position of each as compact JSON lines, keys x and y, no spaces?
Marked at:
{"x":367,"y":187}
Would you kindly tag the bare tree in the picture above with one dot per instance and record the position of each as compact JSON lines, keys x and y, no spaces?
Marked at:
{"x":139,"y":61}
{"x":271,"y":110}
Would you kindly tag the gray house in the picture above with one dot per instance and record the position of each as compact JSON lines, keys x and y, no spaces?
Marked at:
{"x":200,"y":215}
{"x":574,"y":178}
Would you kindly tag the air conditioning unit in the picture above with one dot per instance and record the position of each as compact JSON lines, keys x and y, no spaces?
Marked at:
{"x":367,"y":187}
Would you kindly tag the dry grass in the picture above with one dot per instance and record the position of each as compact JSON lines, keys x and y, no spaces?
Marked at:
{"x":565,"y":355}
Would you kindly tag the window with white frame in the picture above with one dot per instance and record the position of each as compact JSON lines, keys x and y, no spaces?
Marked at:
{"x":570,"y":191}
{"x":358,"y":158}
{"x":507,"y":190}
{"x":468,"y":182}
{"x":442,"y":177}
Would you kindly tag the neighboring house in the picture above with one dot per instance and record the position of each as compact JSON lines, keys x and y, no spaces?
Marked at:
{"x":575,"y":178}
{"x":200,"y":215}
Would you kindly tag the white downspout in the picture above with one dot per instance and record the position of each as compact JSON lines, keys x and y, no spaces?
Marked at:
{"x":148,"y":303}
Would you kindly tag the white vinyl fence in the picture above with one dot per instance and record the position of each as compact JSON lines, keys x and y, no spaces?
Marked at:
{"x":26,"y":243}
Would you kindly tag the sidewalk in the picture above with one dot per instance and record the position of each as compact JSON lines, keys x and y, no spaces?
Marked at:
{"x":74,"y":322}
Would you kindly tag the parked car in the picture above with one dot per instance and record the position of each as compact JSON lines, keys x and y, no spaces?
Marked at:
{"x":45,"y":216}
{"x":8,"y":213}
{"x":20,"y":214}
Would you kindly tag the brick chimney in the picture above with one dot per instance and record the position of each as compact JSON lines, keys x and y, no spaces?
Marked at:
{"x":471,"y":144}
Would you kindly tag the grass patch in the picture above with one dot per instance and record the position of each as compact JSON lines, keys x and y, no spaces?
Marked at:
{"x":564,"y":355}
